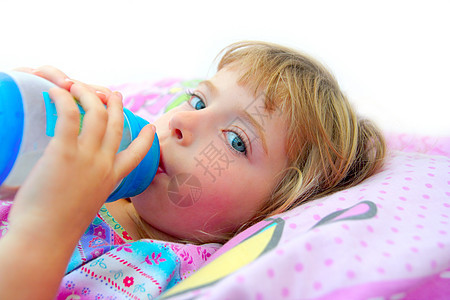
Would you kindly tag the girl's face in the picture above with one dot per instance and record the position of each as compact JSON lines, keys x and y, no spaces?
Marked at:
{"x":220,"y":154}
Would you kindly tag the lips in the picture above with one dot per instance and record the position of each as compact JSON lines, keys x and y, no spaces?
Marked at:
{"x":161,"y":168}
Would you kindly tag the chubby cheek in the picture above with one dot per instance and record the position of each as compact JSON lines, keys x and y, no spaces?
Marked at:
{"x":218,"y":210}
{"x":231,"y":203}
{"x":212,"y":211}
{"x":183,"y":212}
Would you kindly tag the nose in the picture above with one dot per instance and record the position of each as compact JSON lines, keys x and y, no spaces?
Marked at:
{"x":183,"y":125}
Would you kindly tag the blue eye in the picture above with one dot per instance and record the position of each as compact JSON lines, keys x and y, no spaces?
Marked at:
{"x":196,"y":102}
{"x":236,"y":142}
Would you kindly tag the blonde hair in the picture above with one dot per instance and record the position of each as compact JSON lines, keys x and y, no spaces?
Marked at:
{"x":328,"y":147}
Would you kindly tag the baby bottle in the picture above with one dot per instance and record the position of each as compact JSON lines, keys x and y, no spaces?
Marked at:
{"x":27,"y":122}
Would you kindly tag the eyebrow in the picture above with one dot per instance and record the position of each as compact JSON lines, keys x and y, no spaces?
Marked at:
{"x":249,"y":118}
{"x":245,"y":114}
{"x":210,"y":86}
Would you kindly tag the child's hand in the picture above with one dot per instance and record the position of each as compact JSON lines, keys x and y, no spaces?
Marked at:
{"x":64,"y":191}
{"x":76,"y":174}
{"x":59,"y":78}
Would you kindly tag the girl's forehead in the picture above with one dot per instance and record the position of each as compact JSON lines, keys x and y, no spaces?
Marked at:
{"x":234,"y":76}
{"x":256,"y":103}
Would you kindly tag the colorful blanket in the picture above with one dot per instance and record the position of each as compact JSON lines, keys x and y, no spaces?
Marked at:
{"x":107,"y":264}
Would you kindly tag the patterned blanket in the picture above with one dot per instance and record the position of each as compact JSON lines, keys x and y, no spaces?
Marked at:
{"x":107,"y":264}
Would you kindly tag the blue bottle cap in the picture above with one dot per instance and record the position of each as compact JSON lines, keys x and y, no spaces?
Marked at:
{"x":141,"y":177}
{"x":11,"y":124}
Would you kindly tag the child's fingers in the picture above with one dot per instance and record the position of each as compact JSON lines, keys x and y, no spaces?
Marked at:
{"x":129,"y":158}
{"x":95,"y":117}
{"x":51,"y":74}
{"x":62,"y":80}
{"x":113,"y":135}
{"x":68,"y":124}
{"x":24,"y":69}
{"x":54,"y":75}
{"x":102,"y":92}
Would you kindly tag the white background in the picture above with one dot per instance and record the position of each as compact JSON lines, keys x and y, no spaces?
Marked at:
{"x":390,"y":57}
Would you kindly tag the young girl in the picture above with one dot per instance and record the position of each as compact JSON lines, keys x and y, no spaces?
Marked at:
{"x":276,"y":119}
